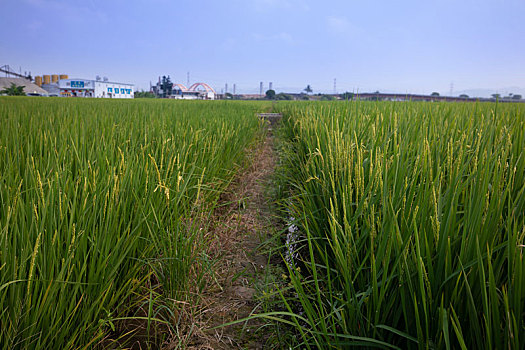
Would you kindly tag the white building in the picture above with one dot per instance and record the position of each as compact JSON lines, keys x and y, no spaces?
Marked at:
{"x":180,"y":94}
{"x":197,"y":91}
{"x":95,"y":88}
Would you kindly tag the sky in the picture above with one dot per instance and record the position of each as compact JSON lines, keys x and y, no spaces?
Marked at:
{"x":388,"y":46}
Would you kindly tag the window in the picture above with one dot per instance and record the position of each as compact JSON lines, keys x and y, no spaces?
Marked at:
{"x":117,"y":91}
{"x":110,"y":89}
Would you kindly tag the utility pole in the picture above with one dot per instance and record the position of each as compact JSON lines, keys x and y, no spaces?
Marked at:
{"x":188,"y":80}
{"x":451,"y":88}
{"x":335,"y":87}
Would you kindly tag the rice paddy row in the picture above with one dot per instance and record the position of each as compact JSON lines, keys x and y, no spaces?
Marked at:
{"x":100,"y":212}
{"x":411,"y":222}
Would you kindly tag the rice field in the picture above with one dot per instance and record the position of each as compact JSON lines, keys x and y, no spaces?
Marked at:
{"x":100,"y":212}
{"x":407,"y":220}
{"x":411,"y":224}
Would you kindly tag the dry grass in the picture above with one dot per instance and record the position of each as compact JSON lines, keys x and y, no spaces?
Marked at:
{"x":235,"y":233}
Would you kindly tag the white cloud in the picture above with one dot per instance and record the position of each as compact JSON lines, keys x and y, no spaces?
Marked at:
{"x":264,"y":5}
{"x":338,"y":24}
{"x":71,"y":11}
{"x":228,"y":44}
{"x":34,"y":26}
{"x":282,"y":36}
{"x":286,"y":37}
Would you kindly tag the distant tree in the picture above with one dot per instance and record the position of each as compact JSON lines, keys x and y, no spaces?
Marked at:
{"x":434,"y":94}
{"x":327,"y":98}
{"x":14,"y":90}
{"x":496,"y":96}
{"x":463,"y":96}
{"x":347,"y":96}
{"x":282,"y":96}
{"x":166,"y":86}
{"x":305,"y":97}
{"x":308,"y":89}
{"x":228,"y":96}
{"x":144,"y":94}
{"x":512,"y":97}
{"x":270,"y":94}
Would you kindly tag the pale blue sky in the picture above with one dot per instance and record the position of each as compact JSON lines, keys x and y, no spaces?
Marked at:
{"x":403,"y":46}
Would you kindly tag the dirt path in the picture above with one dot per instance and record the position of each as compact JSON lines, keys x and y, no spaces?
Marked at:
{"x":241,"y":226}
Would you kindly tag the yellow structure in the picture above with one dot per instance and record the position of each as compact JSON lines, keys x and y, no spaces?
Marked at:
{"x":63,"y":76}
{"x":47,"y":79}
{"x":54,"y":78}
{"x":38,"y":80}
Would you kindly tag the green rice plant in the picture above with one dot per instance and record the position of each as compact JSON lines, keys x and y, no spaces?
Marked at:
{"x":412,"y":222}
{"x":101,"y":200}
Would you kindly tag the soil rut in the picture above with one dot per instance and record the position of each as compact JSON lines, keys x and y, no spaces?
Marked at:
{"x":239,"y":228}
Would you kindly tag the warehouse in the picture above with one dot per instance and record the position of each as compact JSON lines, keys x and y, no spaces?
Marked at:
{"x":94,"y":88}
{"x":30,"y":88}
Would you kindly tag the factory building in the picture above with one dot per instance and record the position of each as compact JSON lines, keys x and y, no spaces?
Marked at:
{"x":197,"y":91}
{"x":61,"y":85}
{"x":95,"y":88}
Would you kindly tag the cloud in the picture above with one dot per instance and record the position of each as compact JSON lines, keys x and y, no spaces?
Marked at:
{"x":264,"y":5}
{"x":286,"y":37}
{"x":338,"y":24}
{"x":282,"y":36}
{"x":228,"y":44}
{"x":34,"y":26}
{"x":71,"y":11}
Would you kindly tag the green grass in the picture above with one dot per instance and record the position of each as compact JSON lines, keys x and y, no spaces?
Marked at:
{"x":101,"y":204}
{"x":412,"y":220}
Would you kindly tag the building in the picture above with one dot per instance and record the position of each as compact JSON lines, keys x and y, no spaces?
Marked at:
{"x":30,"y":89}
{"x":94,"y":88}
{"x":197,"y":91}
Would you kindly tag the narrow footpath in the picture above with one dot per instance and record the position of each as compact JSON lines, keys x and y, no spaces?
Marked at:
{"x":239,"y":227}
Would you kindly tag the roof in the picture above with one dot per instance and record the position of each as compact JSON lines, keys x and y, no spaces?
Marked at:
{"x":96,"y":81}
{"x":29,"y":87}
